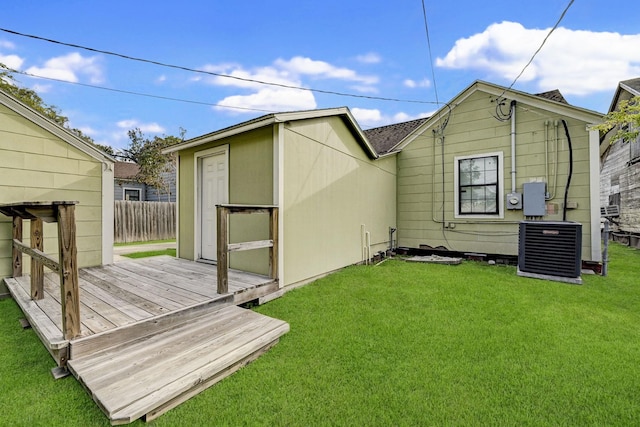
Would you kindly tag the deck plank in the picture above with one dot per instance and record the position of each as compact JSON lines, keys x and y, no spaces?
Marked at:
{"x":91,"y":321}
{"x":121,"y":279}
{"x":165,"y":275}
{"x":48,"y":330}
{"x":136,"y":305}
{"x":168,"y":365}
{"x":155,"y":281}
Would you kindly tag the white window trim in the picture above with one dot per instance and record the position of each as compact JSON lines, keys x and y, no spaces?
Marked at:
{"x":125,"y":189}
{"x":456,"y":170}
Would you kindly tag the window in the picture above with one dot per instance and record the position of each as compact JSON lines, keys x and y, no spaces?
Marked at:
{"x":478,"y":183}
{"x":132,"y":194}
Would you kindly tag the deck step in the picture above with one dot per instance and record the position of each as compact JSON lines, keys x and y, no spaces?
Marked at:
{"x":149,"y":376}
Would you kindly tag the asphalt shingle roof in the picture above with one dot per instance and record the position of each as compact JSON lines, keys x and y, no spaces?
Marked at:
{"x":553,"y":95}
{"x":125,"y":170}
{"x":384,"y":138}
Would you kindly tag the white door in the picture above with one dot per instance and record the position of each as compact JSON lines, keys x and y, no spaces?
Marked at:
{"x":213,"y":191}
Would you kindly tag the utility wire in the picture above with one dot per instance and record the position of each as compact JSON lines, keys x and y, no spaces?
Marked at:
{"x":211,"y":73}
{"x":426,"y":28}
{"x":148,"y":95}
{"x":564,"y":12}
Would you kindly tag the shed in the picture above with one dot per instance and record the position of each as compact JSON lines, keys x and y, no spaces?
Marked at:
{"x":42,"y":161}
{"x":336,"y":196}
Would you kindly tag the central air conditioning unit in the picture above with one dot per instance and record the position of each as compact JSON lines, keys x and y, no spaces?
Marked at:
{"x":550,"y":250}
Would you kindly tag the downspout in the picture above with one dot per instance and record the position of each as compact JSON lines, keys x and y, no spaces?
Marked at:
{"x":513,"y":146}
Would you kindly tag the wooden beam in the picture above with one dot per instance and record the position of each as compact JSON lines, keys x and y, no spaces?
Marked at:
{"x":34,"y":253}
{"x":223,"y":249}
{"x":247,"y":246}
{"x":273,"y":251}
{"x":16,"y":255}
{"x":37,"y":267}
{"x":69,"y":284}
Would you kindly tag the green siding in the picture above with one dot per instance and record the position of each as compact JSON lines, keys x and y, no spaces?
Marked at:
{"x":473,"y":130}
{"x":38,"y":166}
{"x":250,"y":182}
{"x":331,"y":188}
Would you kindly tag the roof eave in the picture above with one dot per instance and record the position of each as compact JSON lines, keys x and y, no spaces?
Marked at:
{"x":279,"y":118}
{"x":579,"y":113}
{"x":32,"y":115}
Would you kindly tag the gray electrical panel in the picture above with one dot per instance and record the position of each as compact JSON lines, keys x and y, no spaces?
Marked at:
{"x":533,"y":199}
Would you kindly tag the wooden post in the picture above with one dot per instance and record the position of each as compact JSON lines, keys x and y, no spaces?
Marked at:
{"x":69,"y":286}
{"x":273,"y":250}
{"x":223,"y":249}
{"x":16,"y":255}
{"x":37,"y":268}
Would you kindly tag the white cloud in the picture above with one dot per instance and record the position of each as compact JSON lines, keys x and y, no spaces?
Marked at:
{"x":299,"y":65}
{"x":12,"y":61}
{"x":574,"y":61}
{"x":417,"y":84}
{"x":144,"y":127}
{"x":41,"y":88}
{"x":289,"y":72}
{"x":5,"y":44}
{"x":69,"y":67}
{"x":270,"y":99}
{"x":369,"y":58}
{"x":368,"y":118}
{"x":161,"y":79}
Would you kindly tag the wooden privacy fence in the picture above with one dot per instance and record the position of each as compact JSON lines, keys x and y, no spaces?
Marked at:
{"x":143,"y":221}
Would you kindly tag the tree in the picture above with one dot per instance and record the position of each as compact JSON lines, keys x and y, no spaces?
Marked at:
{"x":626,"y":119}
{"x":147,"y":153}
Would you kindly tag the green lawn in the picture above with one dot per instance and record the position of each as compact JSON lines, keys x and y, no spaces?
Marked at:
{"x":146,"y":254}
{"x":401,"y":344}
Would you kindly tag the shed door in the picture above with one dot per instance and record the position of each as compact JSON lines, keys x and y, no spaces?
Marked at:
{"x":214,"y":190}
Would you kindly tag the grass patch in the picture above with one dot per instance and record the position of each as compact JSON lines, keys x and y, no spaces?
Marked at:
{"x":146,"y":242}
{"x":401,"y":344}
{"x":146,"y":254}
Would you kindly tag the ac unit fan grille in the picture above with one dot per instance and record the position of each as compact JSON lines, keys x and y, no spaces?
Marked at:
{"x":550,"y":248}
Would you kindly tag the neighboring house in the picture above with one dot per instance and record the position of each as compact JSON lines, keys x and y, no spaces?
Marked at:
{"x":318,"y":167}
{"x":328,"y":178}
{"x":42,"y":161}
{"x":127,"y":187}
{"x":620,"y":174}
{"x":462,"y":173}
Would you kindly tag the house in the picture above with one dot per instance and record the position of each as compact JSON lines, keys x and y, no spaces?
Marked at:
{"x":42,"y":161}
{"x":620,"y":174}
{"x":336,"y":184}
{"x":336,"y":195}
{"x":126,"y":186}
{"x":465,"y":174}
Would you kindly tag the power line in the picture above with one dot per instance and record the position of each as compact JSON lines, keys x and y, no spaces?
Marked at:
{"x":128,"y":92}
{"x":564,"y":12}
{"x":211,"y":73}
{"x":426,"y":28}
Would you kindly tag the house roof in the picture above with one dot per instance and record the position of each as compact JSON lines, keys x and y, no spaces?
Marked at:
{"x":274,"y":118}
{"x":543,"y":101}
{"x":125,"y":170}
{"x":553,"y":95}
{"x":384,"y":138}
{"x":626,"y":89}
{"x":64,"y":134}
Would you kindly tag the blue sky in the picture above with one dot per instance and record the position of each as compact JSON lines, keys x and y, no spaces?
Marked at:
{"x":365,"y":48}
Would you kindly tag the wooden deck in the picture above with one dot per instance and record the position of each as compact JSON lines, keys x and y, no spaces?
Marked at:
{"x":154,"y":332}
